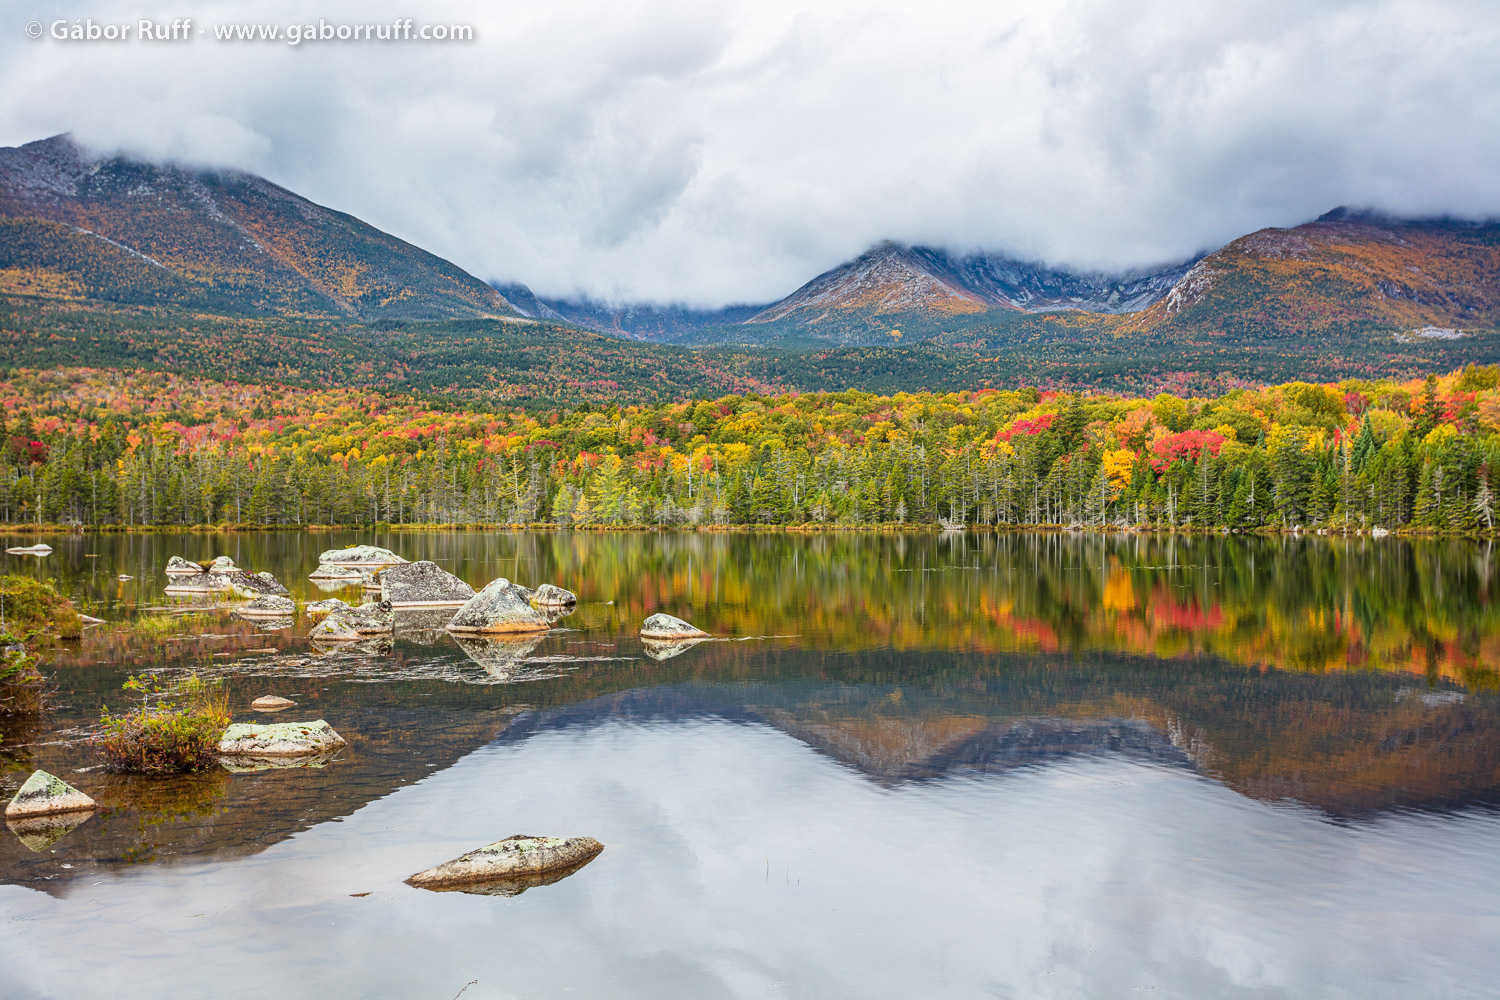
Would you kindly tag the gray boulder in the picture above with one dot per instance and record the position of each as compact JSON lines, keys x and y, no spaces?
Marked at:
{"x":269,"y":606}
{"x":359,"y":555}
{"x":669,"y":629}
{"x":519,"y":857}
{"x":353,"y":624}
{"x":498,"y":608}
{"x":222,"y":564}
{"x":254,"y":585}
{"x":423,"y":584}
{"x":318,"y":610}
{"x":44,"y":794}
{"x":279,"y":739}
{"x":328,"y":572}
{"x":549,"y":596}
{"x":178,"y":566}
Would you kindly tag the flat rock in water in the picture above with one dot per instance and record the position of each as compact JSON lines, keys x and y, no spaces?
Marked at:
{"x":44,"y":795}
{"x":423,"y":584}
{"x":269,"y":606}
{"x":498,"y":608}
{"x":549,"y":596}
{"x":38,"y":549}
{"x":353,"y":624}
{"x":360,"y":555}
{"x":279,"y":739}
{"x":318,"y":610}
{"x":667,"y":628}
{"x":518,"y":857}
{"x":271,"y":703}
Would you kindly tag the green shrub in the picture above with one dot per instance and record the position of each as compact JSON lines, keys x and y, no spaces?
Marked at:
{"x":180,"y":732}
{"x":30,"y":607}
{"x":21,"y":682}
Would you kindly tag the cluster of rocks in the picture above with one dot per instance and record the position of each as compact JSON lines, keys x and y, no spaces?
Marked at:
{"x":220,"y":576}
{"x":348,"y":624}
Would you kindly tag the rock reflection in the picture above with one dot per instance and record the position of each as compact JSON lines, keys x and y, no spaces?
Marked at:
{"x":39,"y":833}
{"x":504,"y":658}
{"x":659,"y":649}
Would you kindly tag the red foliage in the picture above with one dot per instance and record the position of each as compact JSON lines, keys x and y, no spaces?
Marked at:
{"x":1027,"y":427}
{"x":1187,"y":445}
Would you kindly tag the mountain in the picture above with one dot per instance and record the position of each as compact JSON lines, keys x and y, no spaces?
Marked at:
{"x":891,"y":279}
{"x":76,"y":225}
{"x":634,"y":321}
{"x":1344,"y":269}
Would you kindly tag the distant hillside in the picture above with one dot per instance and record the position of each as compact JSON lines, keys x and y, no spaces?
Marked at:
{"x":634,"y":321}
{"x":1343,"y":270}
{"x":73,"y":225}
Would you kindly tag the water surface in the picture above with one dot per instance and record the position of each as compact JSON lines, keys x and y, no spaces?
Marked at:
{"x":1017,"y":766}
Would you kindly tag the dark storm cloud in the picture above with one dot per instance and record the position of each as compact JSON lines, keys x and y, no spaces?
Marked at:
{"x":709,"y":152}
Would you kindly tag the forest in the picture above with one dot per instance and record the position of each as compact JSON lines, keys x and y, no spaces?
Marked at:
{"x":96,"y":447}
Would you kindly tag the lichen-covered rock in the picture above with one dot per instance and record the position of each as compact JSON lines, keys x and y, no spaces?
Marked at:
{"x":520,"y":856}
{"x":549,"y":596}
{"x":271,"y":703}
{"x":353,"y":624}
{"x":254,"y":584}
{"x":222,"y":564}
{"x":669,"y":629}
{"x":269,"y":606}
{"x":203,"y":583}
{"x":327,"y":572}
{"x":318,"y":610}
{"x":423,"y":584}
{"x":44,"y":795}
{"x":360,"y":555}
{"x":498,"y":608}
{"x":178,"y":566}
{"x":279,"y":739}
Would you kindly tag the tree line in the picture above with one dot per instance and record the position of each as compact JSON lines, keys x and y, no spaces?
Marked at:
{"x":110,"y":448}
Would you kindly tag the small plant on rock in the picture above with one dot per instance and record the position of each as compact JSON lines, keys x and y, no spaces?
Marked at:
{"x":173,"y":729}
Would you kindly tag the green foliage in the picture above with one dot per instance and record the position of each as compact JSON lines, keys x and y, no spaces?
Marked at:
{"x":180,"y":732}
{"x":32,"y":607}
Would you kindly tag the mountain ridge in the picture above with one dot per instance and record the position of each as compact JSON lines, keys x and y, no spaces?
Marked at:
{"x":122,"y":229}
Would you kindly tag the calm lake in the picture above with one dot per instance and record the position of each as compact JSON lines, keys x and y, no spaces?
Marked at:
{"x":908,"y":766}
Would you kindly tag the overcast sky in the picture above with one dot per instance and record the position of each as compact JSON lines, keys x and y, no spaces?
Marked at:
{"x":709,"y":152}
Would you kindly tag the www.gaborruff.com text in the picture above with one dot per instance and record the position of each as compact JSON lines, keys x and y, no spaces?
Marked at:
{"x":183,"y":29}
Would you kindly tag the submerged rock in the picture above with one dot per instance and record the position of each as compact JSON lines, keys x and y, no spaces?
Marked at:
{"x":270,"y":606}
{"x":271,"y":703}
{"x":519,"y":858}
{"x":325,"y":571}
{"x":423,"y":584}
{"x":667,"y":628}
{"x":318,"y":610}
{"x":45,"y":795}
{"x":549,"y":596}
{"x":500,"y":607}
{"x":359,"y":555}
{"x":39,"y":833}
{"x":279,"y":739}
{"x":178,"y":566}
{"x":352,"y":624}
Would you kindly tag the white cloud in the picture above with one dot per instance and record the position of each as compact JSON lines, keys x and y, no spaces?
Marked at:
{"x":727,"y":152}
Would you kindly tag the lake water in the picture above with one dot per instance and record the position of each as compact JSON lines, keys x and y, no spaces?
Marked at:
{"x":908,"y":766}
